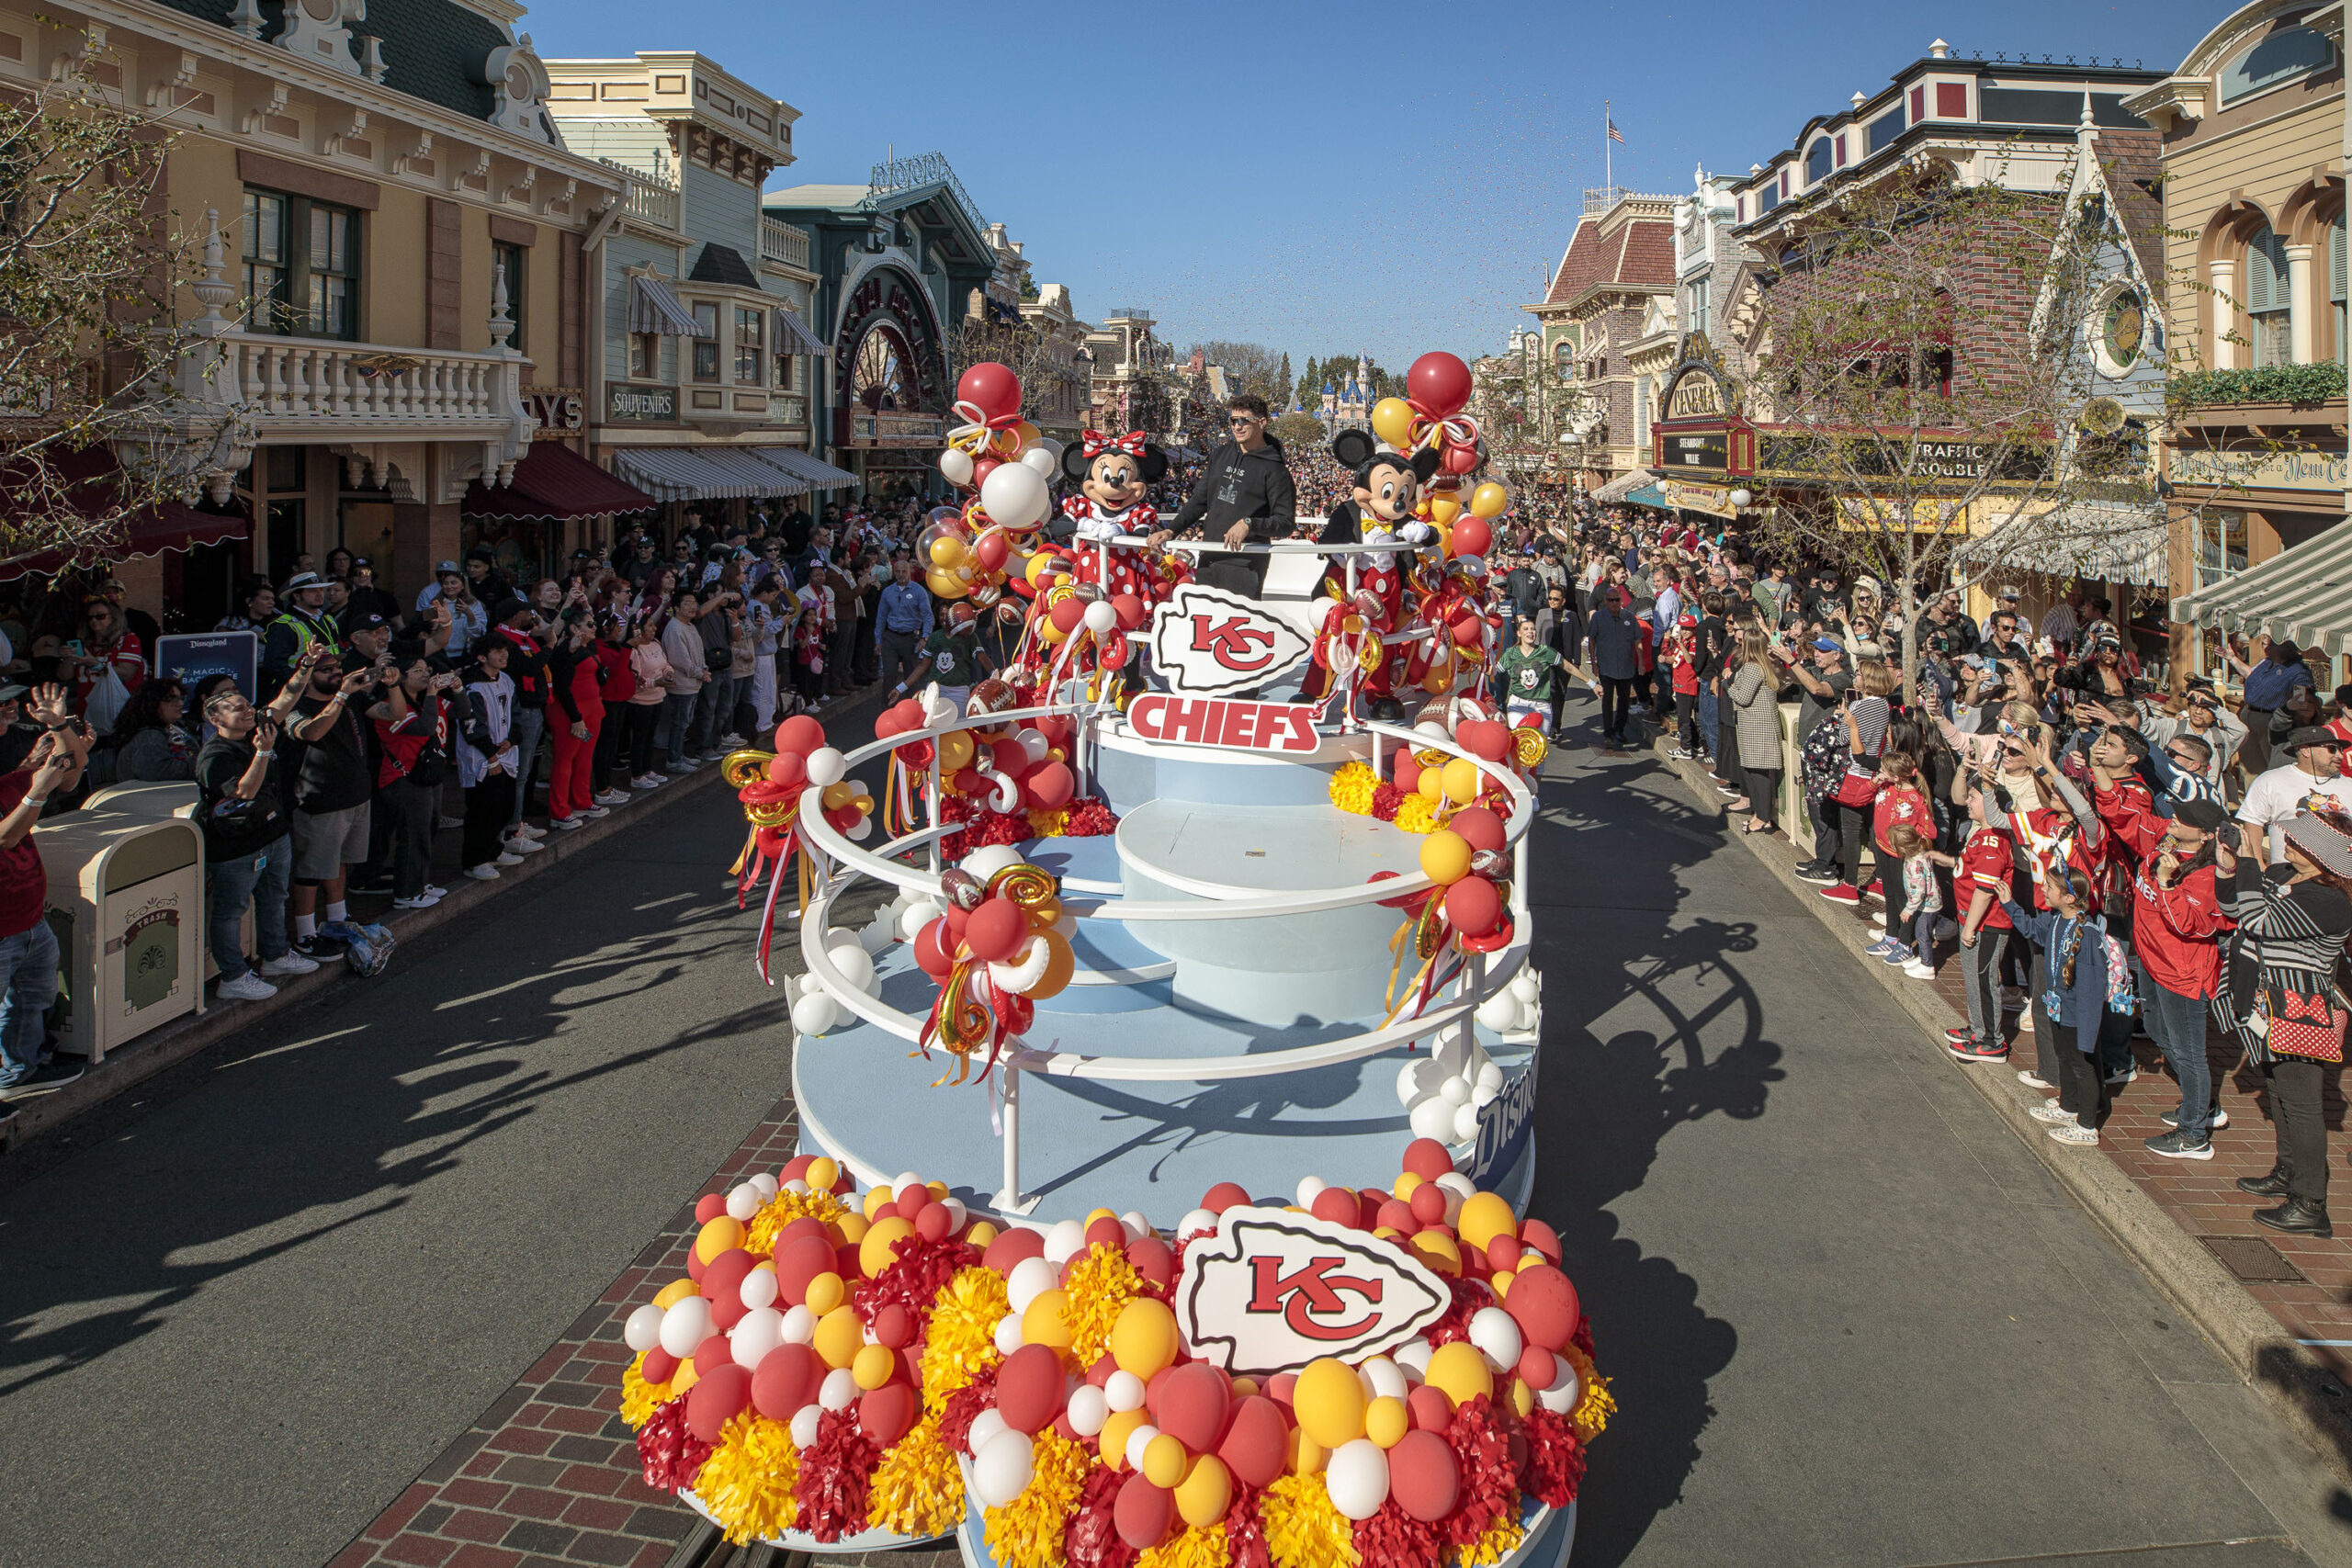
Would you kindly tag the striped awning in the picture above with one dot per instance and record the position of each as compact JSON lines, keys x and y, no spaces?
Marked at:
{"x":2111,"y":541}
{"x":813,"y":472}
{"x":654,"y":307}
{"x":1616,"y":490}
{"x":698,"y":473}
{"x":2303,"y":596}
{"x":792,"y":336}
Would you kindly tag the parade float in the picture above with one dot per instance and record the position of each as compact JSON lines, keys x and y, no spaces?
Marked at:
{"x":1166,"y":1111}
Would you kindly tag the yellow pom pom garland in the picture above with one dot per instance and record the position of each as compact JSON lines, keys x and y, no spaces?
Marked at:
{"x":1027,"y":1532}
{"x":918,"y":1487}
{"x":747,"y":1482}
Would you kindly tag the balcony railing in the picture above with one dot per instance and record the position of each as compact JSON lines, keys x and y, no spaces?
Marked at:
{"x":649,"y":199}
{"x":781,"y":242}
{"x":299,"y":380}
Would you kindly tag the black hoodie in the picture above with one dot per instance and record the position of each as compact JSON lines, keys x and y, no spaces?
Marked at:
{"x":1243,"y":486}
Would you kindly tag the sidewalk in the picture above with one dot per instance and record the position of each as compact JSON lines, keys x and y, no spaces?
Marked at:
{"x":176,"y":1042}
{"x":2279,"y":1307}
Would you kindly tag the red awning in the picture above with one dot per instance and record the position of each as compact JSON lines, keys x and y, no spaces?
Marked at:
{"x":552,"y":483}
{"x":151,"y":531}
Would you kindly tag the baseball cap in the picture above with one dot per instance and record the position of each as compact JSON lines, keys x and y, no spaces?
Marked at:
{"x":301,"y":579}
{"x":448,"y":569}
{"x":12,"y":693}
{"x":2008,"y":595}
{"x":364,"y":621}
{"x":1828,"y":645}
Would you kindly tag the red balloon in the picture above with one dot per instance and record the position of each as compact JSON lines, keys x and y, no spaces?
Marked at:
{"x":1193,"y":1404}
{"x":982,"y":467}
{"x":1490,"y":740}
{"x":1543,"y":1303}
{"x":1280,"y":1387}
{"x":1473,"y":907}
{"x":1223,"y":1196}
{"x":1427,"y":1204}
{"x":1115,"y":653}
{"x":1010,"y":759}
{"x":1052,"y":783}
{"x":1256,"y":1440}
{"x":886,"y":1413}
{"x":1395,"y":1215}
{"x":807,"y":1225}
{"x":1029,"y":1388}
{"x":1066,"y":614}
{"x":1409,"y":771}
{"x":693,"y":1266}
{"x":1337,"y":1204}
{"x":1537,"y":1367}
{"x":1013,"y":1246}
{"x":996,"y":929}
{"x":797,"y":1262}
{"x":1129,"y":609}
{"x":1430,"y":1411}
{"x":724,"y":1278}
{"x":1423,"y":1476}
{"x":893,"y":1326}
{"x":967,"y":781}
{"x":799,"y":733}
{"x":660,"y":1366}
{"x":1504,"y":1252}
{"x":1106,"y":1232}
{"x":1480,"y":827}
{"x":1470,"y":536}
{"x":1439,"y":382}
{"x":1368,"y":1202}
{"x":934,"y":1223}
{"x":1468,"y":632}
{"x":993,"y":389}
{"x":990,"y":551}
{"x":713,"y":1353}
{"x":789,"y":769}
{"x":1427,"y":1158}
{"x":720,"y":1396}
{"x":1153,"y":1259}
{"x":1460,"y":459}
{"x":886,"y":725}
{"x":910,"y":712}
{"x":931,"y":949}
{"x":788,"y":1378}
{"x":1142,"y":1513}
{"x":1541,"y":1237}
{"x":708,"y":1207}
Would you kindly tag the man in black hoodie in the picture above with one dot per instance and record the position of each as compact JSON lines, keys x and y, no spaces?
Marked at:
{"x":1244,"y":497}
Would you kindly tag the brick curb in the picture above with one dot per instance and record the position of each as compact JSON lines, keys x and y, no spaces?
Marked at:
{"x":195,"y":1034}
{"x":2295,"y":1382}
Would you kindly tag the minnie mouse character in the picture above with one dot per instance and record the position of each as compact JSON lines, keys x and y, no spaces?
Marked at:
{"x":1112,"y":475}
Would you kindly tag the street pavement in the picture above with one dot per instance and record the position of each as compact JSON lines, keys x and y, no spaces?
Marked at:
{"x":1849,"y":1318}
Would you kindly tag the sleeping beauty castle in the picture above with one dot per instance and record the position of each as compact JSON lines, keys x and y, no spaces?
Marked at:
{"x":1348,"y":406}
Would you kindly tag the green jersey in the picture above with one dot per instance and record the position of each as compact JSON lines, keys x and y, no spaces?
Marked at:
{"x":1533,"y":675}
{"x":952,"y":659}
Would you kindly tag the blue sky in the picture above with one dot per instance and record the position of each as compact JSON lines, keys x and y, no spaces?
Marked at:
{"x":1373,"y":177}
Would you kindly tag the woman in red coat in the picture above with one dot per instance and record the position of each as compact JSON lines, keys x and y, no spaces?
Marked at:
{"x":576,"y":680}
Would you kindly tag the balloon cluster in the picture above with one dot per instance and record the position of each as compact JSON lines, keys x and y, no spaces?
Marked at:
{"x":969,"y":551}
{"x":1443,"y":1103}
{"x":771,"y":787}
{"x":996,"y":945}
{"x":1185,"y":1441}
{"x":1023,"y":765}
{"x":814,"y":1008}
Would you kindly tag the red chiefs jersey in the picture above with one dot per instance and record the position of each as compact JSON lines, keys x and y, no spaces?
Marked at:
{"x":1987,"y":862}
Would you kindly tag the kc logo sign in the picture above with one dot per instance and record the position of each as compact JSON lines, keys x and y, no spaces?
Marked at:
{"x":1208,"y":642}
{"x":1272,"y":1291}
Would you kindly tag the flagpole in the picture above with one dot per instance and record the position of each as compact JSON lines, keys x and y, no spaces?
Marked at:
{"x":1607,"y":164}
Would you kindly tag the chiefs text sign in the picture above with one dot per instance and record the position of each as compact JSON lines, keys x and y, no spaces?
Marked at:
{"x":1216,"y":721}
{"x":1272,"y":1290}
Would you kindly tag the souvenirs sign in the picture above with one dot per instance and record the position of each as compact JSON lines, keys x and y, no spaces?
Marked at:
{"x":1210,"y":643}
{"x":1272,"y":1290}
{"x":1233,"y":726}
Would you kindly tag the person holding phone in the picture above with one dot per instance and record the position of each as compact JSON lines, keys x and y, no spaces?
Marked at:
{"x":249,"y":848}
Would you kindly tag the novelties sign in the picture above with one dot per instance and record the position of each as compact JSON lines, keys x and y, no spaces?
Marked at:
{"x":1219,"y":721}
{"x":1272,"y":1290}
{"x":1207,"y":642}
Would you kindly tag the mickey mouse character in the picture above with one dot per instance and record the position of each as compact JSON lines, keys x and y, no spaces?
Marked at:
{"x":1112,"y":475}
{"x":1381,"y":511}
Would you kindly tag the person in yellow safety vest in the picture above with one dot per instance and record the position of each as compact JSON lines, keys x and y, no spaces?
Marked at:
{"x":302,"y":619}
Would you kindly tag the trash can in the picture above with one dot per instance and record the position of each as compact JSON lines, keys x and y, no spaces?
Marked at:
{"x":126,"y":898}
{"x":167,"y":798}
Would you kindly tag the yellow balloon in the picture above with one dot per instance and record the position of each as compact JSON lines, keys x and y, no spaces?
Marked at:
{"x":982,"y":1234}
{"x":826,"y":1292}
{"x":1445,"y":856}
{"x":1043,"y":1323}
{"x":1385,"y":1421}
{"x":1328,"y":1402}
{"x":1060,"y":965}
{"x":821,"y":1175}
{"x":684,"y":1378}
{"x":1117,"y":1428}
{"x":1306,"y":1456}
{"x":872,"y":1366}
{"x":1522,"y":1398}
{"x":1488,"y":500}
{"x":1039,"y":565}
{"x":1432,"y":785}
{"x":873,"y":1254}
{"x":947,"y":551}
{"x":1443,"y":510}
{"x":874,"y":1198}
{"x":1407,"y":1182}
{"x":945,"y":584}
{"x":1205,"y":1493}
{"x":1438,"y":1251}
{"x":839,"y":1337}
{"x":675,"y":1291}
{"x":955,"y":751}
{"x":1143,"y":1338}
{"x":1027,"y":431}
{"x":1163,"y":1461}
{"x":1460,"y":1372}
{"x":1392,"y":421}
{"x":1485,"y":1215}
{"x":836,"y":796}
{"x":1461,"y":778}
{"x":853,"y":1226}
{"x":717,"y":1236}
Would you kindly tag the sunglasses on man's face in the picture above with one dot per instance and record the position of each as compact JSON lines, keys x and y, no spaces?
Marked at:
{"x":1243,"y":419}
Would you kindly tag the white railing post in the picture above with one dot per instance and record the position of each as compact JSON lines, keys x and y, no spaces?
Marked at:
{"x":932,"y":804}
{"x":1519,"y":906}
{"x":1010,"y":1202}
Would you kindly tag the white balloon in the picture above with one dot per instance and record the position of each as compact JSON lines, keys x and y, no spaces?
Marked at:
{"x":1134,"y":1224}
{"x":1088,"y":1410}
{"x":986,"y":1425}
{"x":1048,"y":446}
{"x":814,"y":1015}
{"x":758,"y":1290}
{"x":1488,"y":1076}
{"x":1008,"y":1334}
{"x":1124,"y":1391}
{"x":856,"y":967}
{"x":839,"y":1391}
{"x":989,"y":859}
{"x":755,"y":1335}
{"x":883,"y":930}
{"x":1482,"y":1097}
{"x":1434,"y":1118}
{"x":1433,"y":730}
{"x":1495,"y":1334}
{"x":1138,"y":1440}
{"x":1459,"y":1185}
{"x":1561,"y":1397}
{"x":1310,"y":1188}
{"x":1015,"y":496}
{"x":1465,"y":1123}
{"x":1101,"y":617}
{"x":1525,"y":987}
{"x":917,"y":916}
{"x":642,"y":1332}
{"x":1064,"y":1241}
{"x":956,"y":1213}
{"x":1454,"y":1091}
{"x":767,"y":1184}
{"x":804,"y":1425}
{"x":1030,"y":1278}
{"x":1499,"y":1011}
{"x":1357,"y":1478}
{"x":1530,"y":1017}
{"x":1033,"y":744}
{"x":955,"y":465}
{"x":859,"y":831}
{"x":1386,"y":1377}
{"x":1048,"y":463}
{"x":796,"y":1186}
{"x":799,"y":1326}
{"x":1414,"y":1356}
{"x":744,"y":1201}
{"x":808,"y":985}
{"x":1002,"y":1471}
{"x":1417,"y":1080}
{"x":1199,"y":1221}
{"x":827,"y":766}
{"x":685,"y":1326}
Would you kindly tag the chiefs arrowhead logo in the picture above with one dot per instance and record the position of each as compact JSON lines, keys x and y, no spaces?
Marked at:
{"x":1208,"y":642}
{"x":1272,"y":1290}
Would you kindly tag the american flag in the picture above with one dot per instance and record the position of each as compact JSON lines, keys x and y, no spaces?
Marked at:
{"x":1614,"y":134}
